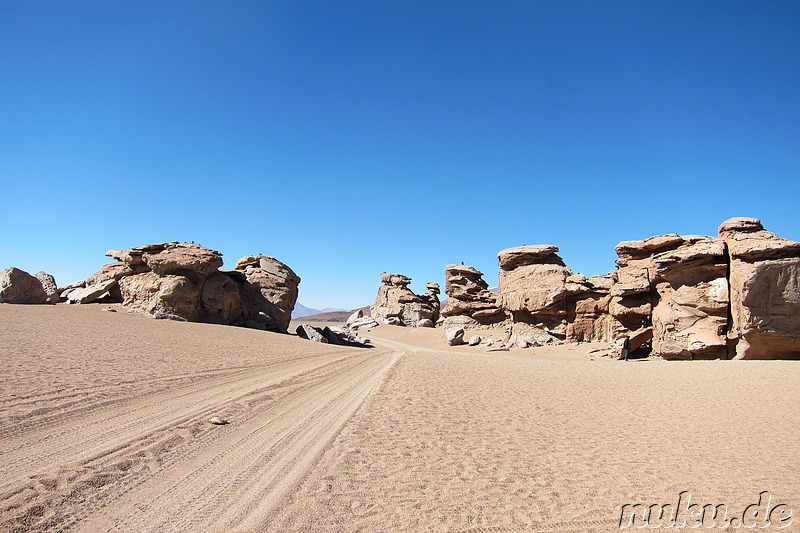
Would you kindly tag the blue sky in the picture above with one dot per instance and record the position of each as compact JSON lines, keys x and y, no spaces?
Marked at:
{"x":350,"y":138}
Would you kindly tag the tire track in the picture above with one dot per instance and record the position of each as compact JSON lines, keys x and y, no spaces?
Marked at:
{"x":238,"y":480}
{"x":78,"y":440}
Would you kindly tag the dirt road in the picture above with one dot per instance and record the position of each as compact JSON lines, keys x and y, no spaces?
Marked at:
{"x":153,"y":462}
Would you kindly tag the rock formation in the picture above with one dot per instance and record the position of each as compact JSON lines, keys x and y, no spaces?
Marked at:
{"x":271,"y":287}
{"x":533,"y":289}
{"x":182,"y":281}
{"x":673,"y":290}
{"x":765,"y":291}
{"x":680,"y":297}
{"x":397,"y":305}
{"x":19,"y":287}
{"x":358,"y":320}
{"x":469,"y":302}
{"x":49,"y":285}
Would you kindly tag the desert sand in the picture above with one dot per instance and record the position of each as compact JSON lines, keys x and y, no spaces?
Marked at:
{"x":105,"y":428}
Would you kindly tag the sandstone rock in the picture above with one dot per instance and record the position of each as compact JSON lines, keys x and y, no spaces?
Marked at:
{"x":512,"y":258}
{"x":468,"y":296}
{"x":355,"y":316}
{"x":183,"y":259}
{"x":90,"y":293}
{"x":455,"y":336}
{"x":220,"y":299}
{"x":50,"y":287}
{"x":113,"y":271}
{"x":169,"y":296}
{"x":66,"y":289}
{"x":765,"y":291}
{"x":271,"y":288}
{"x":311,"y":333}
{"x":19,"y":287}
{"x":396,"y":304}
{"x":126,"y":256}
{"x":431,"y":296}
{"x":588,"y":301}
{"x":533,"y":286}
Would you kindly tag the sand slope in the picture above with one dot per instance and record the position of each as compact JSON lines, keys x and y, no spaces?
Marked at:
{"x":105,"y":430}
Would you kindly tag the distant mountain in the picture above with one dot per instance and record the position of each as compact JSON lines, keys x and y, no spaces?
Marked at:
{"x":302,"y":310}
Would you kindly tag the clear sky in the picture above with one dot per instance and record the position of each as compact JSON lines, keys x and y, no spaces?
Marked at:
{"x":350,"y":138}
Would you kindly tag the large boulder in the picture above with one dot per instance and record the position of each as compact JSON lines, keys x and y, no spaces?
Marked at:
{"x":764,"y":289}
{"x":396,"y":304}
{"x":271,"y":287}
{"x":19,"y":287}
{"x":49,"y":285}
{"x":182,"y":281}
{"x":91,"y":293}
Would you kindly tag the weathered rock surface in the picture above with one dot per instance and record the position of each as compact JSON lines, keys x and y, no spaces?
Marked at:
{"x":469,"y":302}
{"x":50,"y":287}
{"x":454,"y":336}
{"x":91,"y":293}
{"x":676,"y":287}
{"x":587,"y":302}
{"x":19,"y":287}
{"x":396,"y":304}
{"x":765,"y":291}
{"x":271,"y":287}
{"x":358,"y":320}
{"x":678,"y":296}
{"x":182,"y":281}
{"x":533,"y":288}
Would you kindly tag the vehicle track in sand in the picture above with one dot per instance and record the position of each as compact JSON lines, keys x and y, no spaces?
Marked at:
{"x":154,"y":463}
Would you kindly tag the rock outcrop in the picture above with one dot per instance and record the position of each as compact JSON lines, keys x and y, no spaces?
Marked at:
{"x":672,"y":289}
{"x":765,"y":291}
{"x":49,"y":285}
{"x":469,"y":302}
{"x":182,"y":281}
{"x":397,"y":305}
{"x":677,"y":296}
{"x":533,"y":289}
{"x":19,"y":287}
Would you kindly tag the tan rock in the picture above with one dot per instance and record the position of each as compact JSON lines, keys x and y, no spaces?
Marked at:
{"x":162,"y":296}
{"x":183,"y":259}
{"x":220,"y":299}
{"x":19,"y":287}
{"x":396,"y":304}
{"x":271,"y":288}
{"x":50,"y":287}
{"x":533,"y":286}
{"x":91,"y":293}
{"x":468,"y":296}
{"x":765,"y":291}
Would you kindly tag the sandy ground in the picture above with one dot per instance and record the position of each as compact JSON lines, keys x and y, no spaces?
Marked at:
{"x":105,"y":429}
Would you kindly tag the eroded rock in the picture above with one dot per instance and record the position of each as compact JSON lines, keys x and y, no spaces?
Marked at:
{"x":19,"y":287}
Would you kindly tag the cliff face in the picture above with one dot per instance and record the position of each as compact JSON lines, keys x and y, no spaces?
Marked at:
{"x":685,"y":297}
